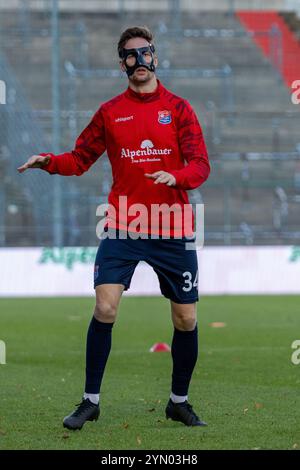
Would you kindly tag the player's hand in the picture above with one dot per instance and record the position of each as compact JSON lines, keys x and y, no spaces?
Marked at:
{"x":36,"y":161}
{"x":162,"y":177}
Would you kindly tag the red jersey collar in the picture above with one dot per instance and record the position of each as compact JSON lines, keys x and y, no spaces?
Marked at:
{"x":144,"y":97}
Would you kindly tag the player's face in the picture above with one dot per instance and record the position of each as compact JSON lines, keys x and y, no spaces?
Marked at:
{"x":141,"y":74}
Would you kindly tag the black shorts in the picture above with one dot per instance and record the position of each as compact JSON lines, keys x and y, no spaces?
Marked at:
{"x":175,"y":266}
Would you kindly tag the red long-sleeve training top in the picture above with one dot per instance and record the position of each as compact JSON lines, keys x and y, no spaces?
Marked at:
{"x":142,"y":133}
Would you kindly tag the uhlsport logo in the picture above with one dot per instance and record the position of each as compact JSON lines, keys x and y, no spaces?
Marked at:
{"x":124,"y":118}
{"x":164,"y":117}
{"x":96,"y":271}
{"x":147,"y":149}
{"x":2,"y":92}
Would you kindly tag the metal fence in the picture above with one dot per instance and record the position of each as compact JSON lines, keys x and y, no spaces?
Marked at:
{"x":24,"y":201}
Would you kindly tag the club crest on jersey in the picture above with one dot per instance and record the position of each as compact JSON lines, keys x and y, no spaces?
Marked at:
{"x":164,"y":117}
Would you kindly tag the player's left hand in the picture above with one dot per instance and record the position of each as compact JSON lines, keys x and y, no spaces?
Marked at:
{"x":162,"y":177}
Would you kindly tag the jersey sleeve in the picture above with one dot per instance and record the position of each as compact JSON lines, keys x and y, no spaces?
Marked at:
{"x":193,"y":150}
{"x":89,"y":146}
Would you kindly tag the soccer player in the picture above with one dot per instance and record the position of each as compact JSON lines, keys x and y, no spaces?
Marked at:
{"x":156,"y":149}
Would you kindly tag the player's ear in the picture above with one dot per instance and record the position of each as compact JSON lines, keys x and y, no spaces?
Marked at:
{"x":122,"y":65}
{"x":155,"y":61}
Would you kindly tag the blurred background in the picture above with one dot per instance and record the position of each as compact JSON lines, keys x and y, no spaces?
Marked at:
{"x":234,"y":60}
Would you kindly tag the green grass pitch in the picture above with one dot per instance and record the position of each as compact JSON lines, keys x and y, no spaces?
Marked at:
{"x":245,"y":385}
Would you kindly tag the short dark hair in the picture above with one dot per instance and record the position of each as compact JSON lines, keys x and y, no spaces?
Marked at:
{"x":134,"y":32}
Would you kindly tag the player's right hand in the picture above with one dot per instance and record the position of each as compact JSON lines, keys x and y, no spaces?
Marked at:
{"x":36,"y":161}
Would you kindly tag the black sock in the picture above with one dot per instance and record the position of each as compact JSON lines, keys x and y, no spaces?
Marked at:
{"x":184,"y":353}
{"x":98,"y":347}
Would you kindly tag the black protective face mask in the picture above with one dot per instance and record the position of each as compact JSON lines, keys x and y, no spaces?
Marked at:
{"x":140,"y":60}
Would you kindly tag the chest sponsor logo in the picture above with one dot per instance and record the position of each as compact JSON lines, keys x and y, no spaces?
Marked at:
{"x":147,"y":143}
{"x":164,"y":117}
{"x":147,"y":149}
